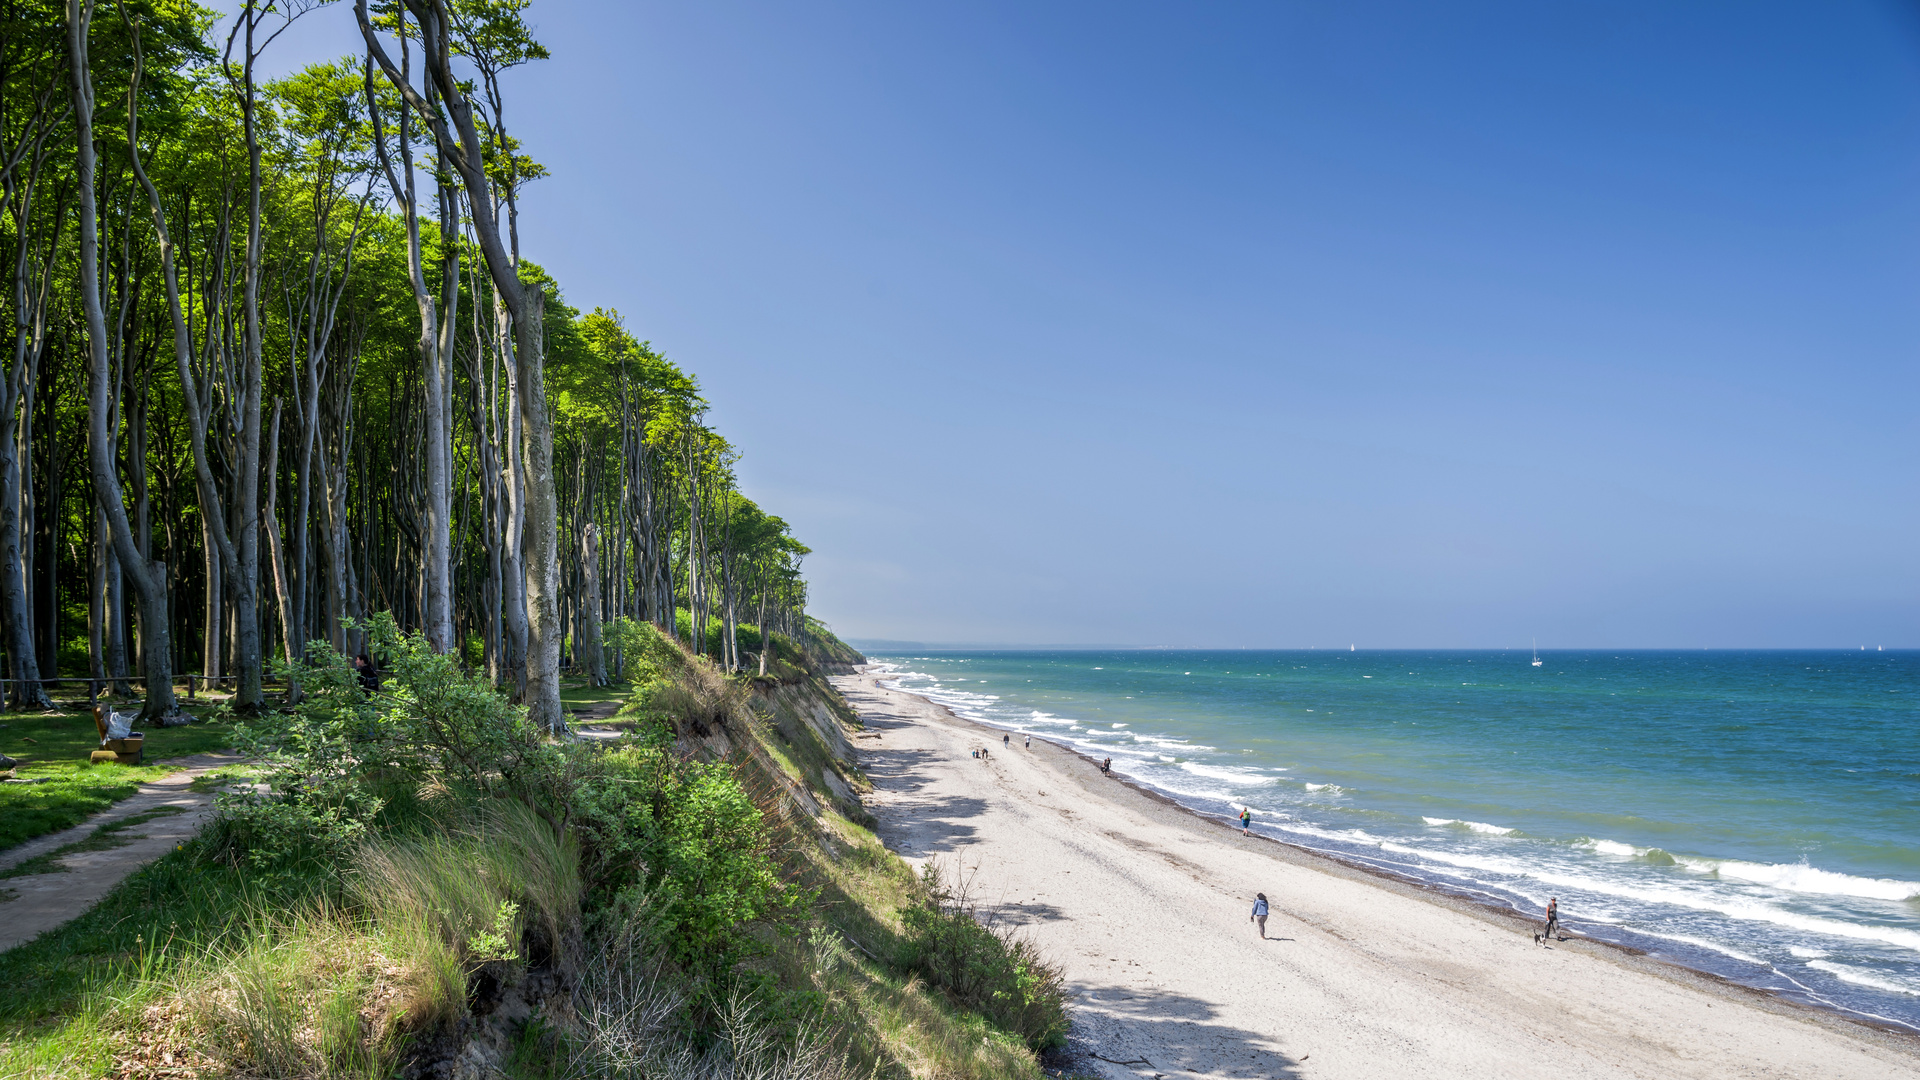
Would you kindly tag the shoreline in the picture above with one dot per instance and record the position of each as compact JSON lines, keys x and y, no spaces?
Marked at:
{"x":1439,"y":892}
{"x":1770,"y":1009}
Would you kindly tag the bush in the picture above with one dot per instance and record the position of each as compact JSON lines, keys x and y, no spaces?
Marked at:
{"x":344,"y":755}
{"x":983,"y":967}
{"x":684,"y":841}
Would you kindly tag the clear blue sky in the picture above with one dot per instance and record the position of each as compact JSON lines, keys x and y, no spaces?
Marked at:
{"x":1275,"y":324}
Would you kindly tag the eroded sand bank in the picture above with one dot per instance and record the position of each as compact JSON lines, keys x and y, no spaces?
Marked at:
{"x":1146,"y":905}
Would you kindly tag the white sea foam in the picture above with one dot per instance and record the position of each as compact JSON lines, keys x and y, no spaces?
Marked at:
{"x":1803,"y":878}
{"x":1863,"y":978}
{"x":1612,"y":847}
{"x":1472,"y":826}
{"x":1651,"y":893}
{"x":1227,"y":773}
{"x":1334,"y":788}
{"x":1805,"y":953}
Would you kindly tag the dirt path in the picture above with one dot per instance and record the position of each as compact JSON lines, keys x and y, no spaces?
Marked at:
{"x":34,"y":904}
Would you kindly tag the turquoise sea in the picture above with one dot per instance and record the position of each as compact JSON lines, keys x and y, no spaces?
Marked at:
{"x":1752,"y":814}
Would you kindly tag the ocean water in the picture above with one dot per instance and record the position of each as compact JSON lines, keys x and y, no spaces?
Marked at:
{"x":1751,"y":814}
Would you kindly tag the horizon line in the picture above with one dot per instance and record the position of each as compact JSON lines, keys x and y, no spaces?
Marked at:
{"x":897,"y":645}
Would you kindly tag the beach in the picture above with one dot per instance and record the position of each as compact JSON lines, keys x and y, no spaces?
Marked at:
{"x":1145,"y":905}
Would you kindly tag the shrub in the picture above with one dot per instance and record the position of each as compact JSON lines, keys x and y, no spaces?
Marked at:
{"x":984,"y":967}
{"x":344,"y":755}
{"x":684,"y":840}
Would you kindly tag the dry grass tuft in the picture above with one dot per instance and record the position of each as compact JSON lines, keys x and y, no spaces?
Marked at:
{"x":332,"y":993}
{"x":700,"y":698}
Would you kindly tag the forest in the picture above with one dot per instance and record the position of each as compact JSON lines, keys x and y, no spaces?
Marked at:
{"x":279,"y":363}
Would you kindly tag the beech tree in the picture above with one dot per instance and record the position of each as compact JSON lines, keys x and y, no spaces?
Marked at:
{"x":278,"y":363}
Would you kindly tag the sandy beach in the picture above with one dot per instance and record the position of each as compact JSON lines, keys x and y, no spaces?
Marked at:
{"x":1146,"y":907}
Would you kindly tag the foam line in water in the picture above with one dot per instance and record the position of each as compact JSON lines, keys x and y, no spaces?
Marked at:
{"x":1803,"y":878}
{"x":1229,"y":774}
{"x":1471,"y":826}
{"x":1862,"y":978}
{"x":1692,"y":899}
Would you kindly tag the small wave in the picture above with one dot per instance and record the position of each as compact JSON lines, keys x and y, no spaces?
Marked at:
{"x":1177,"y":744}
{"x":1227,"y":773}
{"x":1802,"y":878}
{"x":1335,"y":789}
{"x":1611,"y":847}
{"x":1680,"y":897}
{"x":1117,"y":727}
{"x":1805,"y":953}
{"x":1472,"y":826}
{"x":1863,"y":978}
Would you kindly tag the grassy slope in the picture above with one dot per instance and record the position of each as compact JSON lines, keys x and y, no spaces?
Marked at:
{"x":56,"y":745}
{"x":66,"y":997}
{"x":907,"y":1028}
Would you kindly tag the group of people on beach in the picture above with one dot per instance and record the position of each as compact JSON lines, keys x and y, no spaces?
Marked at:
{"x":1006,"y":742}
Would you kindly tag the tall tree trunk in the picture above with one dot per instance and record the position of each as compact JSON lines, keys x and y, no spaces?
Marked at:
{"x":248,"y":694}
{"x":589,"y":651}
{"x":513,"y":569}
{"x":542,"y":525}
{"x":14,"y":607}
{"x":457,"y":138}
{"x":289,"y":632}
{"x":149,"y":575}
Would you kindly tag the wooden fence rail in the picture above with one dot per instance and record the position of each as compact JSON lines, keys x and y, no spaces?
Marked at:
{"x":93,"y":685}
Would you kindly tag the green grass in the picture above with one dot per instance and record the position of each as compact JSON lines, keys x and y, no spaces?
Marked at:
{"x":56,"y":745}
{"x":283,"y":973}
{"x":105,"y":838}
{"x":578,"y":694}
{"x":58,"y":991}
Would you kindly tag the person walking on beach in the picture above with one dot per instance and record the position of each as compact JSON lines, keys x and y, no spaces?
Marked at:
{"x":1259,"y":916}
{"x":1006,"y":741}
{"x":1106,"y":767}
{"x":1246,"y":821}
{"x":1029,"y":742}
{"x":1553,"y":920}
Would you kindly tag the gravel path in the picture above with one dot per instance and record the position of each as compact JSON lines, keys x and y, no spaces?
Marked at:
{"x":32,"y":905}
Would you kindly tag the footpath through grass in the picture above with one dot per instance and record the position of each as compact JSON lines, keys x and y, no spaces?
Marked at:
{"x":55,"y":745}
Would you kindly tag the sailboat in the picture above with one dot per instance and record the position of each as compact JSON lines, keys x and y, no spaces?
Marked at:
{"x":1536,"y":652}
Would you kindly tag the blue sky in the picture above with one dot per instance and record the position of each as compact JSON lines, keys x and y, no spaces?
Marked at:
{"x":1274,"y":324}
